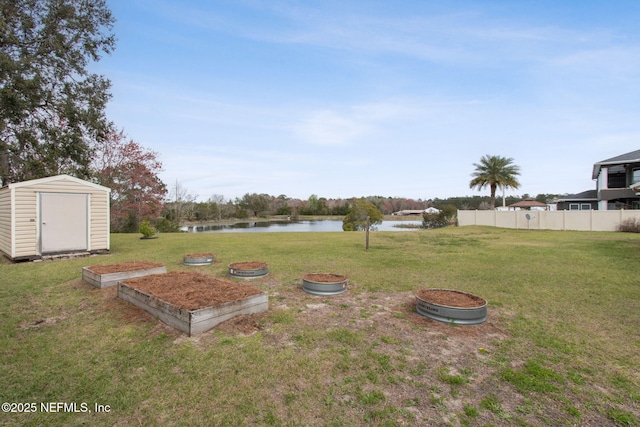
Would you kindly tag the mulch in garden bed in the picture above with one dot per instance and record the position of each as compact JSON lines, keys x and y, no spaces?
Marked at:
{"x":450,"y":298}
{"x":191,"y":290}
{"x":124,"y":266}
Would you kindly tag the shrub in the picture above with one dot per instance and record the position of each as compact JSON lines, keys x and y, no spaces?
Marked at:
{"x":631,"y":225}
{"x":163,"y":225}
{"x":445,"y":217}
{"x":146,"y":229}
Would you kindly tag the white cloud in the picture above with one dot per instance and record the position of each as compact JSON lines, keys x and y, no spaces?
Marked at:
{"x":327,"y":127}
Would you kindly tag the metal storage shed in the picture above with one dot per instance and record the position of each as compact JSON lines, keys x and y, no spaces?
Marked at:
{"x":55,"y":215}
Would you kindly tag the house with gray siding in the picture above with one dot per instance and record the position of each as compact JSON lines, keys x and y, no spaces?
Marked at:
{"x":587,"y":200}
{"x":616,"y":181}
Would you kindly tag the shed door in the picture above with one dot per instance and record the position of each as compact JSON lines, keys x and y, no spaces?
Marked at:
{"x":63,"y":222}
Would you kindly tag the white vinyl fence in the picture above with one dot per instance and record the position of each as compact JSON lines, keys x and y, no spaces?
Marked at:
{"x":592,"y":220}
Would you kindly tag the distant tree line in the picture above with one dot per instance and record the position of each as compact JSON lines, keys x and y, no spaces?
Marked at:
{"x":181,"y":206}
{"x":184,"y":207}
{"x":484,"y":202}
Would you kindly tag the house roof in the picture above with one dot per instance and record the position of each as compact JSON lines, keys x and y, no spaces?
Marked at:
{"x":528,"y":203}
{"x":588,"y":195}
{"x":631,"y":157}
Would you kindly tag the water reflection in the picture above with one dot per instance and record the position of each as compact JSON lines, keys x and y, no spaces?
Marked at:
{"x":324,"y":225}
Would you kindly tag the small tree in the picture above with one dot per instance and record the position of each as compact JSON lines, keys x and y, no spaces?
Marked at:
{"x":440,"y":219}
{"x":356,"y":219}
{"x":131,"y":171}
{"x":255,"y":204}
{"x":495,"y":171}
{"x":147,"y":230}
{"x":180,"y":203}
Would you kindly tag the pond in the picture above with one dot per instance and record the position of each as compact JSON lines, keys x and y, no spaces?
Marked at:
{"x":323,"y":225}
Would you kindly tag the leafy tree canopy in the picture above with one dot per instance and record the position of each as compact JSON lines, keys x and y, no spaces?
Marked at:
{"x":131,"y":171}
{"x":255,"y":204}
{"x":51,"y":107}
{"x":356,"y":219}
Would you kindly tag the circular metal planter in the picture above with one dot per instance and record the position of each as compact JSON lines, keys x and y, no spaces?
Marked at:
{"x":248,"y":270}
{"x":471,"y":311}
{"x":198,"y":259}
{"x":324,"y":284}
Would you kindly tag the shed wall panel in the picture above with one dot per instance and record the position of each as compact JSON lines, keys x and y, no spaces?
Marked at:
{"x":5,"y":221}
{"x":26,"y":225}
{"x":99,"y":208}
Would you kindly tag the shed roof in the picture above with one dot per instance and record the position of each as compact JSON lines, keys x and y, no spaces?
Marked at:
{"x":57,"y":178}
{"x":631,"y":157}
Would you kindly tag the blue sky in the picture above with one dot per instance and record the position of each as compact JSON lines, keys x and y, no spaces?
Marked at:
{"x":357,"y":98}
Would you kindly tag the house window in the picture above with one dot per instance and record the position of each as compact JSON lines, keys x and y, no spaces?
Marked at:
{"x":635,"y":176}
{"x":617,"y":177}
{"x":580,"y":206}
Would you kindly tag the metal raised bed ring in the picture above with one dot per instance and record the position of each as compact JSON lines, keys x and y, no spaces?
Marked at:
{"x":324,"y":284}
{"x":450,"y":306}
{"x":248,"y":270}
{"x":198,"y":259}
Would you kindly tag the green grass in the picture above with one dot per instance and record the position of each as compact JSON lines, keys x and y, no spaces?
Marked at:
{"x":567,"y":304}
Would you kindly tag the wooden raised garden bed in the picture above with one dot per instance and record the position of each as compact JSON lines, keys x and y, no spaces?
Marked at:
{"x":192,"y":302}
{"x":103,"y":276}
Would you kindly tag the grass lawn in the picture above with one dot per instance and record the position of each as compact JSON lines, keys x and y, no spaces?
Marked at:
{"x":561,"y":345}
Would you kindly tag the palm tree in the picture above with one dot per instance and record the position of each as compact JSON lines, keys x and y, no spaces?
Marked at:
{"x":495,"y":171}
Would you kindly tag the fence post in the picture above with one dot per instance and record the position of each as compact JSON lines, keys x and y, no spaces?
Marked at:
{"x":620,"y":220}
{"x":368,"y":226}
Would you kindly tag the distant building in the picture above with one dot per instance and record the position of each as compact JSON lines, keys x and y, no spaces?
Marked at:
{"x":617,"y":181}
{"x":416,"y":212}
{"x":529,"y":204}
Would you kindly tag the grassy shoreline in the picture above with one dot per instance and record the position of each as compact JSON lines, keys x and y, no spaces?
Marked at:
{"x":561,"y":347}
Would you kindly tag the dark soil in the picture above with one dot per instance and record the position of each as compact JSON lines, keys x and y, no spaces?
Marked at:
{"x":200,"y":255}
{"x":248,"y":265}
{"x":324,"y":278}
{"x":450,"y":298}
{"x":191,"y":290}
{"x":124,"y":266}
